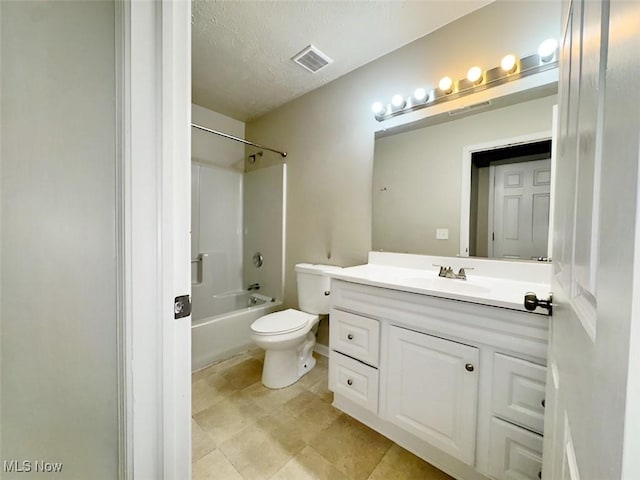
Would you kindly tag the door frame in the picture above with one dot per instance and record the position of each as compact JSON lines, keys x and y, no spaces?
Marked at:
{"x":465,"y":192}
{"x":153,"y":97}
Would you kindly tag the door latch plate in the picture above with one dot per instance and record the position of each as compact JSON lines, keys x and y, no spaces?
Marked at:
{"x":182,"y":306}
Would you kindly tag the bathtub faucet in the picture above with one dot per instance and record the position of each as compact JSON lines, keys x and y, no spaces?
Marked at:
{"x":253,"y":286}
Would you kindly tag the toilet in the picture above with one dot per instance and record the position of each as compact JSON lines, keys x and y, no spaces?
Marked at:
{"x":288,"y":336}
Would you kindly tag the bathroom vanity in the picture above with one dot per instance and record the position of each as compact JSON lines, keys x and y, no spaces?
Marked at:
{"x":453,"y":370}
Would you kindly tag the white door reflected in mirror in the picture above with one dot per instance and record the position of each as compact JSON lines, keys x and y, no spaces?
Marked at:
{"x":521,"y":196}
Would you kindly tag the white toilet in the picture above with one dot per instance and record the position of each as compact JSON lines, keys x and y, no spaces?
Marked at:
{"x":287,"y":336}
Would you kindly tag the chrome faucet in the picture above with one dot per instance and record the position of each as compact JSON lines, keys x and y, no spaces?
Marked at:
{"x":253,"y":286}
{"x":447,"y":272}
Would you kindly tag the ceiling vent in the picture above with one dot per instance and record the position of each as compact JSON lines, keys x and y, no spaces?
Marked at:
{"x":312,"y":59}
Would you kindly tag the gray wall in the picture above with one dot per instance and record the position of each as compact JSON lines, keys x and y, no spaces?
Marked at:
{"x":58,"y":192}
{"x":328,"y":133}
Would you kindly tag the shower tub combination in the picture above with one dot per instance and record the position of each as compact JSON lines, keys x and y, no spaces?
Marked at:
{"x":225,"y":329}
{"x":229,"y":288}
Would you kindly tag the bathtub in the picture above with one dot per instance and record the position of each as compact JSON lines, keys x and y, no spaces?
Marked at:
{"x":220,"y":325}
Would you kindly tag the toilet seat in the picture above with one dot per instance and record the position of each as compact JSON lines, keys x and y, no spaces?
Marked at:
{"x":285,"y":321}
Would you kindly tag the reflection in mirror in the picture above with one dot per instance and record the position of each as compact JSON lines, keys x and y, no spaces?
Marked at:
{"x":418,"y":180}
{"x":510,"y":199}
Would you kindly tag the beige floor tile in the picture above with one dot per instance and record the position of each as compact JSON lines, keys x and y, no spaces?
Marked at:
{"x":317,"y":416}
{"x":214,"y":466}
{"x":219,"y":366}
{"x":321,"y":360}
{"x":229,"y":416}
{"x":351,"y":446}
{"x":271,"y":399}
{"x":283,"y":431}
{"x":244,"y":373}
{"x":201,"y":442}
{"x":296,"y":405}
{"x":309,"y":465}
{"x":262,"y":448}
{"x":208,"y":391}
{"x":256,"y":352}
{"x":321,"y":389}
{"x":399,"y":464}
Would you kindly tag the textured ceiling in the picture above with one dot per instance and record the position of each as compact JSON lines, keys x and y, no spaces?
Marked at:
{"x":241,"y":50}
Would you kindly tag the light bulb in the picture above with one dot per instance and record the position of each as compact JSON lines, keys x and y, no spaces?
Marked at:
{"x":420,"y":95}
{"x":547,"y":50}
{"x":445,"y":84}
{"x":508,"y":63}
{"x":398,"y":102}
{"x":377,"y":108}
{"x":474,"y":75}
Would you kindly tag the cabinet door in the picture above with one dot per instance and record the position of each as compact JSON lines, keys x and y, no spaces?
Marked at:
{"x":432,"y":390}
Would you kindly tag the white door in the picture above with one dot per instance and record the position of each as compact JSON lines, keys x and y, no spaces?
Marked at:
{"x":432,"y":390}
{"x":521,"y":209}
{"x":591,"y":421}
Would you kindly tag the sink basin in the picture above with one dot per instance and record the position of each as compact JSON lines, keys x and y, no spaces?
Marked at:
{"x":463,"y":287}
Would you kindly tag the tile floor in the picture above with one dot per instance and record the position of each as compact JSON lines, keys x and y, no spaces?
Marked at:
{"x":244,"y":431}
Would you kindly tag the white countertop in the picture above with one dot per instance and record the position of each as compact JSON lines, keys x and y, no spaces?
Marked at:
{"x":489,"y":283}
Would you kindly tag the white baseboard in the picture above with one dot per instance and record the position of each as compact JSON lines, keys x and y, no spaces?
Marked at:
{"x":321,"y":349}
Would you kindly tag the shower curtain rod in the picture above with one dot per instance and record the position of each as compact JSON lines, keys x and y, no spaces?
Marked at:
{"x":237,"y":139}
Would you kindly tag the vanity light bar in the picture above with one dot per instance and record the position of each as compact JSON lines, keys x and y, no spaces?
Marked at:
{"x":511,"y":69}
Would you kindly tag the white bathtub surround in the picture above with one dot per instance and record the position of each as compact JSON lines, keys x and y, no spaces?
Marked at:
{"x":496,"y":283}
{"x":233,"y":216}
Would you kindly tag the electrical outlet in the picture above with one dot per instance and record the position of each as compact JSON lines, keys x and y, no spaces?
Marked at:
{"x":442,"y":234}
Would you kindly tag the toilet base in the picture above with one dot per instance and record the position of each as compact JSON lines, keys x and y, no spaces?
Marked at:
{"x":283,"y":368}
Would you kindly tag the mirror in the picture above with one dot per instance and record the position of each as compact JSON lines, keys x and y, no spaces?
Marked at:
{"x":426,"y":200}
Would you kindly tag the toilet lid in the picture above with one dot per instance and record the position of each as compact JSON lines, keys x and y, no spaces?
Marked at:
{"x":286,"y":321}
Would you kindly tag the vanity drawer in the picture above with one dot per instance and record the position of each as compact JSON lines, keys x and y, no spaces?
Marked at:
{"x":354,"y":380}
{"x":518,"y":391}
{"x":515,"y":453}
{"x":355,"y":336}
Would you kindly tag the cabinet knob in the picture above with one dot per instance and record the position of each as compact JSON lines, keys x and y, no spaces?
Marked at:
{"x":469,"y":367}
{"x":540,"y":475}
{"x":350,"y":336}
{"x":542,"y":403}
{"x":349,"y":382}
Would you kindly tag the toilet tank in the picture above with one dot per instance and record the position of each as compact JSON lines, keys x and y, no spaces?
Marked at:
{"x":313,"y":287}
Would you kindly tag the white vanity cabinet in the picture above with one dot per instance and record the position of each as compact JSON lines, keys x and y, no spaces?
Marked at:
{"x":458,"y":384}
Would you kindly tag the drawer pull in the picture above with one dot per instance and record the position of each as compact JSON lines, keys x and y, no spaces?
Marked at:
{"x":349,"y":382}
{"x":540,"y":475}
{"x":350,"y":336}
{"x":469,"y":367}
{"x":542,"y":403}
